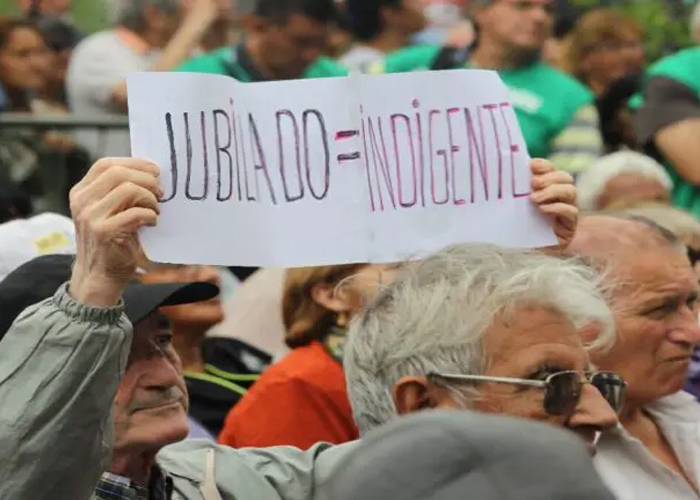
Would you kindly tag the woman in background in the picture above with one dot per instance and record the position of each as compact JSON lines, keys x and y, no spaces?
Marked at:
{"x":605,"y":51}
{"x":44,"y":164}
{"x":603,"y":47}
{"x":302,"y":399}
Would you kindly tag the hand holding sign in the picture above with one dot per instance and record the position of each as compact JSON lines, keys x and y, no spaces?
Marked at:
{"x":110,"y":204}
{"x":555,"y":195}
{"x":314,"y":172}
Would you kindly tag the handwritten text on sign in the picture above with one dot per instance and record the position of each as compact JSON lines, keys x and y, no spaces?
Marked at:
{"x":357,"y":169}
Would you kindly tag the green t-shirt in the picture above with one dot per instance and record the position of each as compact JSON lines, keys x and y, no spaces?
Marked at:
{"x":236,"y":63}
{"x":545,"y":99}
{"x":680,"y":74}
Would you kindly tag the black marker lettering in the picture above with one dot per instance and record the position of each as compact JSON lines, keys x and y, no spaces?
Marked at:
{"x":223,"y":150}
{"x":173,"y":157}
{"x":326,"y":151}
{"x":261,"y":164}
{"x":289,"y":197}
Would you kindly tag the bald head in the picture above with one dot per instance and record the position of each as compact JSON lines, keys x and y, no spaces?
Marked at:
{"x":605,"y":239}
{"x":653,"y":294}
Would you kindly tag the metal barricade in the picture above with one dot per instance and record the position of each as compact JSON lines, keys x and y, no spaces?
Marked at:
{"x":56,"y":171}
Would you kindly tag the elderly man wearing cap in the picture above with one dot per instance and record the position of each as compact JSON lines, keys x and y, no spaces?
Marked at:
{"x":62,"y":360}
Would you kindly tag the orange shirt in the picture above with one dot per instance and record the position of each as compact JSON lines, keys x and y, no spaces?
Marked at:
{"x":298,"y":401}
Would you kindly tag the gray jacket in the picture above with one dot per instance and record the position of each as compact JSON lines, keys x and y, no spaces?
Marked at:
{"x":60,"y":365}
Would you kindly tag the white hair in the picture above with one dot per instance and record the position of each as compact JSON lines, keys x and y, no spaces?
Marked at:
{"x":433,"y":316}
{"x":592,"y":181}
{"x":129,"y":13}
{"x":681,"y":223}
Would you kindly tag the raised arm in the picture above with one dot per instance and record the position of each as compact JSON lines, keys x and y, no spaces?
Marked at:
{"x":62,"y":359}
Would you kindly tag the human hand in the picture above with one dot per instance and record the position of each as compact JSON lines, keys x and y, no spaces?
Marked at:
{"x":205,"y":12}
{"x":115,"y":198}
{"x":554,"y":194}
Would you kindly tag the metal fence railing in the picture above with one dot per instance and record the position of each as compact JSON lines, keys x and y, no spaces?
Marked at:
{"x":52,"y":172}
{"x":63,"y":122}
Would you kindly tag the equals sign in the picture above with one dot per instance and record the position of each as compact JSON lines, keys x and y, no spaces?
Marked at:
{"x":347,"y":134}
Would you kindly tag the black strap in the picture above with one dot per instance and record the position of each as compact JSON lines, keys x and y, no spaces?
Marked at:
{"x":450,"y":58}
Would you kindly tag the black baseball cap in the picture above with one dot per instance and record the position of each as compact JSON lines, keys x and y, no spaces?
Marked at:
{"x":39,"y":279}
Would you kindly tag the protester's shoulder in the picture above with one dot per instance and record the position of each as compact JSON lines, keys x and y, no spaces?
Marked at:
{"x":414,"y":58}
{"x":681,"y":66}
{"x":564,"y":83}
{"x":325,"y":68}
{"x":211,"y":62}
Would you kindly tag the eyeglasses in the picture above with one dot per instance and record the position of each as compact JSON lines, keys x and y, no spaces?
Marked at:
{"x":693,"y":255}
{"x":562,"y":389}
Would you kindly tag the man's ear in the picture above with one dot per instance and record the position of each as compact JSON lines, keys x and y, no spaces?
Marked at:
{"x":332,"y":297}
{"x":412,"y":394}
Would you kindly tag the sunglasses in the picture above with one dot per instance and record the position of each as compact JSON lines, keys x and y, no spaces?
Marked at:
{"x":693,"y":255}
{"x":562,"y":389}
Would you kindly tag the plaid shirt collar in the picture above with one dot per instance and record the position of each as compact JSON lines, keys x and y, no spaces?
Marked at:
{"x":113,"y":487}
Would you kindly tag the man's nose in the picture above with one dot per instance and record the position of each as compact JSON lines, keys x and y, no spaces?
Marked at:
{"x":593,"y":411}
{"x":687,"y":329}
{"x":540,"y":14}
{"x":161,"y":372}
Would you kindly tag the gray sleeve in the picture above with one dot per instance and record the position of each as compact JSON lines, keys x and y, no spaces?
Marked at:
{"x":60,"y":364}
{"x":276,"y":473}
{"x":666,"y":101}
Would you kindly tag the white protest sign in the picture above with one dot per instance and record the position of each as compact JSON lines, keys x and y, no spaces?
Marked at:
{"x":330,"y":171}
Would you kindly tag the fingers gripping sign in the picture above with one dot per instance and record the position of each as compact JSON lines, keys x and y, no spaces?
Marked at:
{"x":554,"y":194}
{"x":109,"y":205}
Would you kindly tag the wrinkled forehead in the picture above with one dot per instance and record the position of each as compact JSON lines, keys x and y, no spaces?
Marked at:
{"x":532,"y":335}
{"x":660,"y":270}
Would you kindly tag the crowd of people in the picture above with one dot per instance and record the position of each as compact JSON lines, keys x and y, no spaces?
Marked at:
{"x":567,"y":372}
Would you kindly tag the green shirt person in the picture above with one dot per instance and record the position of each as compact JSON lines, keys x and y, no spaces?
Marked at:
{"x":284,"y":40}
{"x":667,"y":122}
{"x":556,"y":112}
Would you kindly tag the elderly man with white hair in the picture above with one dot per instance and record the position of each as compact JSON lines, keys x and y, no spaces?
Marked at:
{"x":489,"y":329}
{"x":654,"y":453}
{"x":148,"y":35}
{"x":622,"y":179}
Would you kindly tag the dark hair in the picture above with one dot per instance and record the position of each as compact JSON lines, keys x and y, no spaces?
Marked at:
{"x":9,"y":25}
{"x":279,"y":11}
{"x":365,"y":17}
{"x":614,"y":100}
{"x":59,"y":35}
{"x":14,"y":202}
{"x":564,"y":25}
